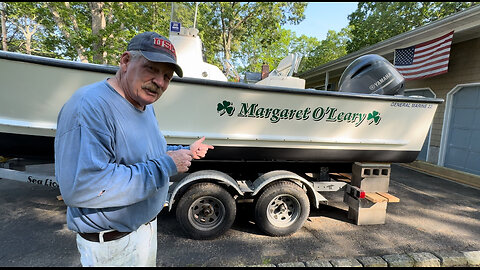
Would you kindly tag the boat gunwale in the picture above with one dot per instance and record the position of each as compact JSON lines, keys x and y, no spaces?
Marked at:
{"x":235,"y":85}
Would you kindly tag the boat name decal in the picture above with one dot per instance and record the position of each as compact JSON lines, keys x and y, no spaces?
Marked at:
{"x":330,"y":114}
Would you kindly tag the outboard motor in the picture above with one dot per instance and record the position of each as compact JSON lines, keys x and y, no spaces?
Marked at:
{"x":372,"y":74}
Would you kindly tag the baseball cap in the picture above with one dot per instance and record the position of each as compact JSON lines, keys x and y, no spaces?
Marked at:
{"x":155,"y":48}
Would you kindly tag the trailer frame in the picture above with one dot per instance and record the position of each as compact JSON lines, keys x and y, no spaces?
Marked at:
{"x":365,"y":192}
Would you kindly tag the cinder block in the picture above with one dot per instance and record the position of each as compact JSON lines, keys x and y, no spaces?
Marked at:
{"x":371,"y":177}
{"x":375,"y":214}
{"x":364,"y":169}
{"x":365,"y":212}
{"x":370,"y":184}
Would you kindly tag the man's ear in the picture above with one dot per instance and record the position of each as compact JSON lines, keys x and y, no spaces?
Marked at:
{"x":124,"y":61}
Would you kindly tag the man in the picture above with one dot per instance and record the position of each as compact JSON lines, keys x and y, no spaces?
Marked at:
{"x":112,"y":162}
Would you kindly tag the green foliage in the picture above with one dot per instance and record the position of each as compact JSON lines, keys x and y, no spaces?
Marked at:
{"x":25,"y":33}
{"x":266,"y":261}
{"x":237,"y":36}
{"x":253,"y":54}
{"x":373,"y":22}
{"x":68,"y":30}
{"x":232,"y":32}
{"x":332,"y":47}
{"x":228,"y":28}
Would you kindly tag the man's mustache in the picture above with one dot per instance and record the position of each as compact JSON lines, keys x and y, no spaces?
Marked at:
{"x":151,"y":87}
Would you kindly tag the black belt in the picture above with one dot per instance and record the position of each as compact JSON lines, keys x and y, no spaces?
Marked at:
{"x":108,"y":236}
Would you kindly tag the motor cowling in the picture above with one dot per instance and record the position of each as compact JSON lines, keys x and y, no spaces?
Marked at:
{"x":372,"y":74}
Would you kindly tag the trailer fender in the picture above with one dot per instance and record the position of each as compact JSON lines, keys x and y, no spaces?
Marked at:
{"x":199,"y":176}
{"x":272,"y":176}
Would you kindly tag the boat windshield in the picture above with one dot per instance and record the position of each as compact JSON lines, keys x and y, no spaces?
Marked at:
{"x":191,"y":53}
{"x":183,"y":14}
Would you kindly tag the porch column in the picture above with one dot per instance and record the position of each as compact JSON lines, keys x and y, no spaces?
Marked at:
{"x":326,"y":80}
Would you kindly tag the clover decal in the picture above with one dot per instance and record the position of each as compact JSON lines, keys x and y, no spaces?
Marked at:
{"x":225,"y":106}
{"x":375,"y":116}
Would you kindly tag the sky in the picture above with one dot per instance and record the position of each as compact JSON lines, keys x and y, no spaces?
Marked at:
{"x":323,"y":16}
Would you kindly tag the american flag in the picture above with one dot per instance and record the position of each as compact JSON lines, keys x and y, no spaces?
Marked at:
{"x":424,"y":60}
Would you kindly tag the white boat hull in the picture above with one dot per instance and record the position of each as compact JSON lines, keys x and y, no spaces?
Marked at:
{"x":243,"y":122}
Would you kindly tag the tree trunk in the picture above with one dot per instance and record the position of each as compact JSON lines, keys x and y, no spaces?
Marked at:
{"x":4,"y":28}
{"x":24,"y":25}
{"x":61,"y":25}
{"x":28,"y":45}
{"x":98,"y":24}
{"x":28,"y":33}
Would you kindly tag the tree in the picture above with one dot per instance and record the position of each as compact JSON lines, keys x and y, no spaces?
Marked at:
{"x":332,"y":47}
{"x":225,"y":26}
{"x":22,"y":25}
{"x":373,"y":22}
{"x":253,"y":54}
{"x":98,"y":32}
{"x":3,"y":19}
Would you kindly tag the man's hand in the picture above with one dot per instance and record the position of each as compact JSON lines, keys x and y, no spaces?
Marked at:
{"x":198,"y":149}
{"x":182,"y":159}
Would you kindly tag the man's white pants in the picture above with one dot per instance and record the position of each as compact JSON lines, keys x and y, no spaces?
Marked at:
{"x":138,"y":248}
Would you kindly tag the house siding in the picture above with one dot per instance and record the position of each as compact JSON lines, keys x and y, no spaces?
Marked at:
{"x":464,"y":67}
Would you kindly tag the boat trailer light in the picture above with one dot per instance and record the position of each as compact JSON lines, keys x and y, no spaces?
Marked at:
{"x":362,"y":194}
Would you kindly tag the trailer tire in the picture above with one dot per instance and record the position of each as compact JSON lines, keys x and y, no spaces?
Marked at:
{"x":206,"y":211}
{"x":281,"y":209}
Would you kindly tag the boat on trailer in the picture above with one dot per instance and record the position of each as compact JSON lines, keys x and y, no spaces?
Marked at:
{"x":275,"y":142}
{"x":245,"y":122}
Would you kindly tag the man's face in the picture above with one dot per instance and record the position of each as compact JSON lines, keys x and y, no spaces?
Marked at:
{"x":144,"y":81}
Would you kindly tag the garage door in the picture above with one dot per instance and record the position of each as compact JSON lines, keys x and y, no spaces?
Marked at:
{"x":424,"y":93}
{"x":463,"y":142}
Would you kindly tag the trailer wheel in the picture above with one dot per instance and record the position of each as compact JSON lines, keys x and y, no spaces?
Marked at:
{"x":282,"y":209}
{"x":206,"y":211}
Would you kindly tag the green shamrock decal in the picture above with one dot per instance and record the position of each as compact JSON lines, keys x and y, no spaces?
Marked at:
{"x":375,"y":116}
{"x":225,"y":106}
